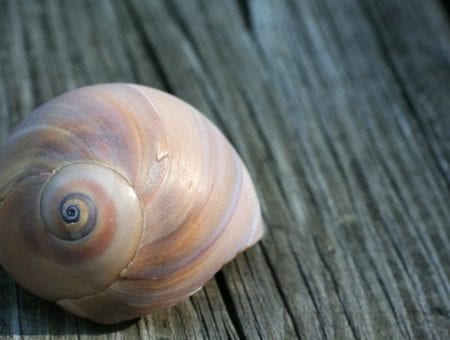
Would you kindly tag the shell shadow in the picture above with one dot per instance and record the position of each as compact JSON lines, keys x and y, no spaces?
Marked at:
{"x":22,"y":313}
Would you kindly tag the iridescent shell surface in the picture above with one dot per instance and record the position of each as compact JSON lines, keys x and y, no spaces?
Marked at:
{"x":119,"y":200}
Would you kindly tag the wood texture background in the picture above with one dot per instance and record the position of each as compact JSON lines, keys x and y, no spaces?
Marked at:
{"x":340,"y":109}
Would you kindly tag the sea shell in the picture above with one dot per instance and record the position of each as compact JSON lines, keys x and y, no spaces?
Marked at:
{"x":119,"y":200}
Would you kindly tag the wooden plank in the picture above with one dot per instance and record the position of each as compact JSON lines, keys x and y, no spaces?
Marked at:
{"x":417,"y":52}
{"x":366,"y":141}
{"x":339,"y":109}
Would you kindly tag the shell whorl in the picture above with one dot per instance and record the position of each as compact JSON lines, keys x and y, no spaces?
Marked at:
{"x":130,"y":201}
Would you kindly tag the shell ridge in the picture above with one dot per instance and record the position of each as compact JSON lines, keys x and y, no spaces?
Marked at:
{"x":218,"y":230}
{"x":19,"y":181}
{"x":206,"y":153}
{"x":254,"y":228}
{"x":17,"y":175}
{"x":162,"y":154}
{"x":35,"y":128}
{"x":196,"y":255}
{"x":133,"y":124}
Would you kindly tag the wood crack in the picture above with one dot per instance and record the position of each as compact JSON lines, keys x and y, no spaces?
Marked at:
{"x":251,"y":305}
{"x":229,"y":303}
{"x":283,"y":295}
{"x":335,"y":283}
{"x":245,"y":11}
{"x":403,"y":328}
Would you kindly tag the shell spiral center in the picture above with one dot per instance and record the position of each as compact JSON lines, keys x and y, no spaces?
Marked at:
{"x":78,"y":215}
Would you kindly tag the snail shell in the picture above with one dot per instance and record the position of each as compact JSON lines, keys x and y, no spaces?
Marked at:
{"x":119,"y":200}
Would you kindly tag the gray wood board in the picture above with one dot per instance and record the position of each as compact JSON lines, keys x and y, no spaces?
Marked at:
{"x":341,"y":111}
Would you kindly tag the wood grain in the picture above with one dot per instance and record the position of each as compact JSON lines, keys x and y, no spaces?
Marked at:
{"x":341,"y":111}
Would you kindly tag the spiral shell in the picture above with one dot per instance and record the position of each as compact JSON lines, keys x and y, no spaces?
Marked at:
{"x":119,"y":200}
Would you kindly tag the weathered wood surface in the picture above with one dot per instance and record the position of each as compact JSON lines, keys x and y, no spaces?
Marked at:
{"x":340,"y":109}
